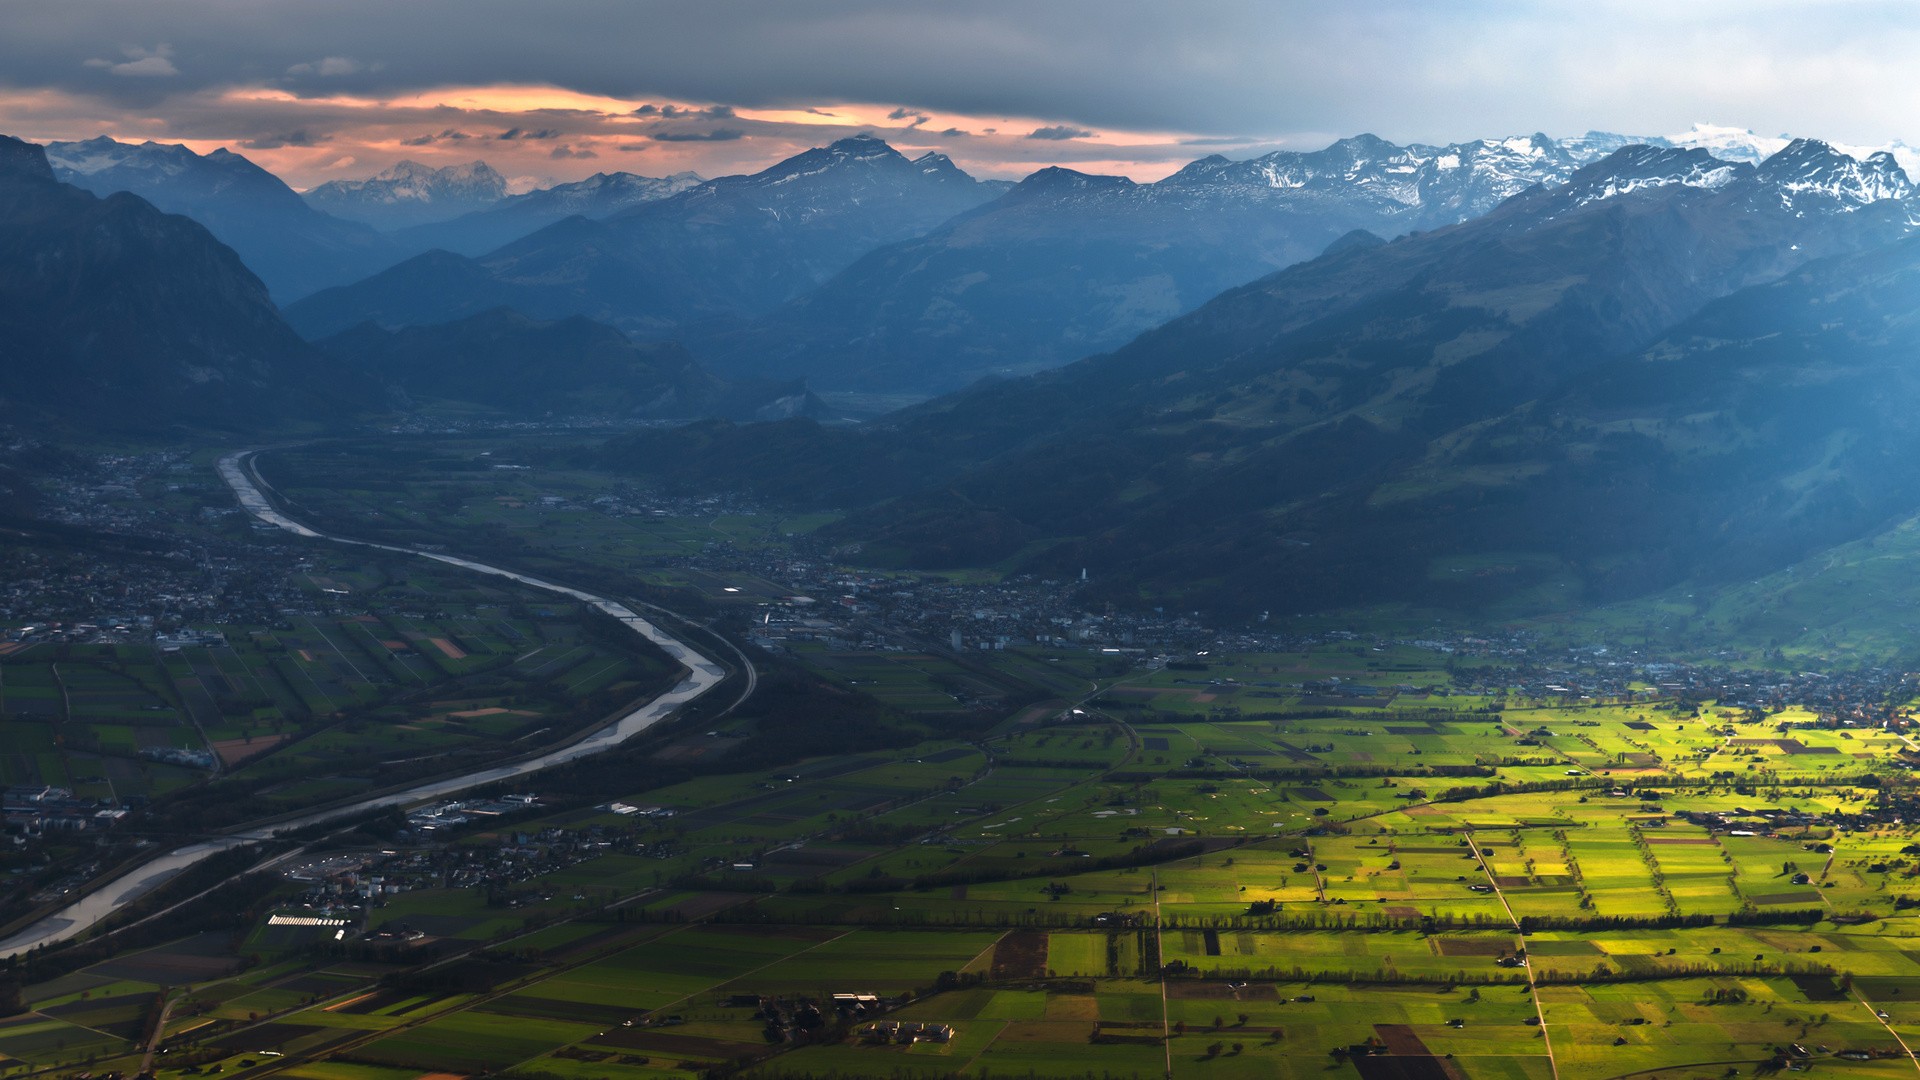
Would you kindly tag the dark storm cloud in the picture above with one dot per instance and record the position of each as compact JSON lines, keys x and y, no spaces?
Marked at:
{"x":1401,"y":67}
{"x":1293,"y":72}
{"x":716,"y":135}
{"x":1059,"y":132}
{"x":291,"y":138}
{"x":511,"y":134}
{"x":449,"y":135}
{"x":681,"y":112}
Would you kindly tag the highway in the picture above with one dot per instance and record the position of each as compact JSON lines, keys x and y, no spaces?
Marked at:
{"x":237,"y":470}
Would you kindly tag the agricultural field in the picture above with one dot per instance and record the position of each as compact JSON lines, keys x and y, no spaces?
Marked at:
{"x":1352,"y":858}
{"x":1055,"y":898}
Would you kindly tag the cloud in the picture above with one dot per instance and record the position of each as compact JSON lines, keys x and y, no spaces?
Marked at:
{"x":1145,"y":73}
{"x":449,"y":135}
{"x":953,"y":133}
{"x":512,"y":134}
{"x":1060,"y":132}
{"x":681,"y":112}
{"x":291,"y":138}
{"x":904,"y":113}
{"x":560,"y":152}
{"x":156,"y":62}
{"x":328,"y":67}
{"x":1224,"y":140}
{"x":715,"y":135}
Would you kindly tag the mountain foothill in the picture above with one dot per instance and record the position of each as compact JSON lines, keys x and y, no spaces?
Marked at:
{"x":1512,"y":375}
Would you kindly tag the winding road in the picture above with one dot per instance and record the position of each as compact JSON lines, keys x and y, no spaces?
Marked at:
{"x":237,"y":470}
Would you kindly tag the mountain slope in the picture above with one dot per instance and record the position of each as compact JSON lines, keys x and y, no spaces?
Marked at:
{"x":598,"y":196}
{"x":1068,"y":264}
{"x":572,"y":367}
{"x":1288,"y":445}
{"x":735,"y":245}
{"x":294,"y":248}
{"x":119,"y":316}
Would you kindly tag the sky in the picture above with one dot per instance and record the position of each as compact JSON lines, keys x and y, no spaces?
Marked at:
{"x":560,"y":89}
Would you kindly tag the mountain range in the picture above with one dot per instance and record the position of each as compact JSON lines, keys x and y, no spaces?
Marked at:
{"x":409,"y":193}
{"x":1061,"y":265}
{"x":119,"y":316}
{"x":1066,"y":264}
{"x":598,"y":196}
{"x":737,"y":245}
{"x":1475,"y":416}
{"x":1510,"y":376}
{"x":293,"y":247}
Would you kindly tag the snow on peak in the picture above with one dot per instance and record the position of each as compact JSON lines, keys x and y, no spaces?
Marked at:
{"x":1638,"y":167}
{"x":1730,"y":143}
{"x":1809,"y":166}
{"x":411,"y":182}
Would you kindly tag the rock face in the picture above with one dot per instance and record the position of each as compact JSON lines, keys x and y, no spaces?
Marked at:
{"x":294,"y":248}
{"x":731,"y":246}
{"x":120,"y":316}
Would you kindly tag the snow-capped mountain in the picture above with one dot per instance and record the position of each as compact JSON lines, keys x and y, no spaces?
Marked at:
{"x":1726,"y":143}
{"x":817,"y":181}
{"x":106,"y":163}
{"x":1069,"y":264}
{"x":1805,"y":176}
{"x":1810,"y":169}
{"x":1428,"y":185}
{"x":410,"y":193}
{"x":1637,"y":167}
{"x":606,"y":193}
{"x":1741,"y":144}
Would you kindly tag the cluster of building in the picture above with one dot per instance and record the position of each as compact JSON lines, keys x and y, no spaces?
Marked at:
{"x":446,"y":815}
{"x":30,"y":809}
{"x":148,"y":580}
{"x":906,"y":1031}
{"x":512,"y":859}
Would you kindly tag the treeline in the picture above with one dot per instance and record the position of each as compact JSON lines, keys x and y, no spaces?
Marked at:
{"x":1142,"y":918}
{"x":1383,"y":976}
{"x":1307,"y":772}
{"x":1142,"y":855}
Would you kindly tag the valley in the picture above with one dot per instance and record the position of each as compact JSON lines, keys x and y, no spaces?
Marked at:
{"x":683,"y":542}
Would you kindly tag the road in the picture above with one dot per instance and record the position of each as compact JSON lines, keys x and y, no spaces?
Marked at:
{"x":1533,"y":988}
{"x":237,"y":470}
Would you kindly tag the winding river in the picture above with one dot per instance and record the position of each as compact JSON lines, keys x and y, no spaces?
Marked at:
{"x":237,"y":470}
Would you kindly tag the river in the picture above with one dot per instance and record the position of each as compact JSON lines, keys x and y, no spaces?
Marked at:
{"x":236,"y":469}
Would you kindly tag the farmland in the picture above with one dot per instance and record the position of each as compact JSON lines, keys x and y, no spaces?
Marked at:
{"x":1206,"y":895}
